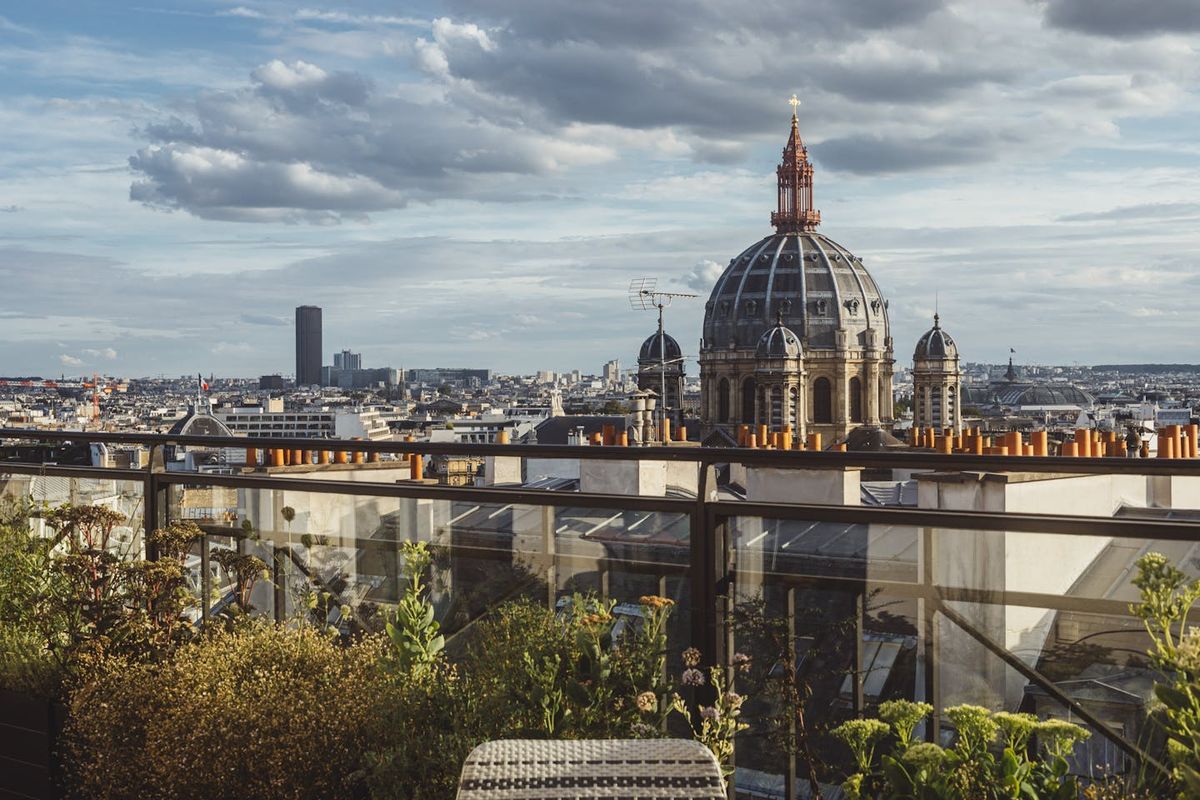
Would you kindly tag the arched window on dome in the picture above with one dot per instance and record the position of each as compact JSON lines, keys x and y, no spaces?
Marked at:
{"x":822,"y":401}
{"x":856,"y":400}
{"x":777,"y":409}
{"x":794,"y":410}
{"x":748,"y":397}
{"x":723,"y":400}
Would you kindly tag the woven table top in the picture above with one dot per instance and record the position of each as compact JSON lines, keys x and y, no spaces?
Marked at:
{"x":598,"y":769}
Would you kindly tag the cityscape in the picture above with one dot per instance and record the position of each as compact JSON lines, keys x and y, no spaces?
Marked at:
{"x":460,"y":400}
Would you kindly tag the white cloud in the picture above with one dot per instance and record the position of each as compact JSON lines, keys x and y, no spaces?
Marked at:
{"x":241,"y":11}
{"x":106,"y":353}
{"x":69,"y":360}
{"x":703,"y":276}
{"x":344,"y":18}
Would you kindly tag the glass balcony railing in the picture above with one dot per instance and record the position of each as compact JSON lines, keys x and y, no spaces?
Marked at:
{"x":1002,"y":582}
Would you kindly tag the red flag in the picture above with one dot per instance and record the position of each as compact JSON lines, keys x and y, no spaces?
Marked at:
{"x":203,"y":383}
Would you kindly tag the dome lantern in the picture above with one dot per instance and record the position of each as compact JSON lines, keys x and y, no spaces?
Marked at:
{"x":795,"y":177}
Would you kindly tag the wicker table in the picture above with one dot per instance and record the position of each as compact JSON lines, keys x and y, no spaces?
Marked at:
{"x":600,"y":769}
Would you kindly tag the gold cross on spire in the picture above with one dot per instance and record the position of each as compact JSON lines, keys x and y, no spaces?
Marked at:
{"x":794,"y":103}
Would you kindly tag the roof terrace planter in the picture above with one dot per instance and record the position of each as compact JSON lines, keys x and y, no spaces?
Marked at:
{"x":30,"y":728}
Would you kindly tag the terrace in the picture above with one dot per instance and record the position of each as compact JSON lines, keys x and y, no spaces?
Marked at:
{"x":947,"y":579}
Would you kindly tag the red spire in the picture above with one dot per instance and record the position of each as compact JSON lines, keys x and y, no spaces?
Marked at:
{"x":795,"y":174}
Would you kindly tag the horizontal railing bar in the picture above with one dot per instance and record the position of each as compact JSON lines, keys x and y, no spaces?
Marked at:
{"x":55,"y":470}
{"x":793,"y":459}
{"x":952,"y":594}
{"x":416,"y":491}
{"x":1126,"y":527}
{"x":1123,"y":527}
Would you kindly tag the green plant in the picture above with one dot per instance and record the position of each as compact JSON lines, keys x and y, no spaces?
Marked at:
{"x":1167,"y":599}
{"x":715,"y":725}
{"x":526,"y":672}
{"x":262,"y":711}
{"x":25,"y":664}
{"x":976,"y":767}
{"x":412,"y":629}
{"x":76,"y":597}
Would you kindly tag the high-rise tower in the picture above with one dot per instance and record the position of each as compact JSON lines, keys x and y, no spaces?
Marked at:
{"x":308,"y":345}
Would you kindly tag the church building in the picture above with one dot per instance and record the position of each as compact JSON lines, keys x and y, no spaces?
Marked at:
{"x":796,"y":330}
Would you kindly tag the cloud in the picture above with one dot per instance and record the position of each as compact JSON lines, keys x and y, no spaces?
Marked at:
{"x":241,"y":11}
{"x":8,"y":25}
{"x":1138,"y":212}
{"x":10,"y":209}
{"x":69,"y":360}
{"x":1123,"y":19}
{"x":106,"y":353}
{"x":703,"y":276}
{"x":303,"y":143}
{"x":265,"y":319}
{"x":344,"y":18}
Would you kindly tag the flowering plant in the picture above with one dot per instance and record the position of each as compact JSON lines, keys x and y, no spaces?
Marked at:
{"x":716,"y":724}
{"x":989,"y":758}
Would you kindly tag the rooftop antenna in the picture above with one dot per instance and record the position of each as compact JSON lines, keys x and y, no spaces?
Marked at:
{"x":644,"y":296}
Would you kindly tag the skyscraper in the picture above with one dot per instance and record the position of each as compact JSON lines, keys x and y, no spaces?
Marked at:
{"x":308,"y":345}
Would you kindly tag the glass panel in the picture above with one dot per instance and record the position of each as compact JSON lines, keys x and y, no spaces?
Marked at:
{"x":1009,"y":621}
{"x":336,"y":559}
{"x":124,"y":497}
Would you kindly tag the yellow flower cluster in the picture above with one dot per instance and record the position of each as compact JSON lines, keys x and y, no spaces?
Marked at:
{"x":654,"y":601}
{"x":647,"y":701}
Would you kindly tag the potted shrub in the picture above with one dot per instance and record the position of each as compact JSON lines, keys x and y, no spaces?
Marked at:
{"x":66,"y":602}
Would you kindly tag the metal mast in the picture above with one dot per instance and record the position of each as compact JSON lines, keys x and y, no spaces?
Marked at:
{"x":643,"y":296}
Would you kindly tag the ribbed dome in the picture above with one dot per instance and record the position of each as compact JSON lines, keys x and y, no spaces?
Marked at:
{"x":811,"y":281}
{"x":1029,"y":394}
{"x":651,"y":348}
{"x":779,"y":342}
{"x":936,"y":343}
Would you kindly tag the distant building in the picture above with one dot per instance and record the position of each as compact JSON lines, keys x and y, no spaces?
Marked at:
{"x":1023,"y":396}
{"x":271,"y":383}
{"x":612,"y":373}
{"x":323,"y":423}
{"x":308,"y":345}
{"x":347,"y":360}
{"x":357,"y":378}
{"x":937,"y":381}
{"x":660,"y":370}
{"x":259,"y":421}
{"x":452,"y":376}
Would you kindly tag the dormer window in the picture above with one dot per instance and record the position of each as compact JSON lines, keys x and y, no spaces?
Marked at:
{"x":751,"y":308}
{"x":822,"y":308}
{"x":724,"y":308}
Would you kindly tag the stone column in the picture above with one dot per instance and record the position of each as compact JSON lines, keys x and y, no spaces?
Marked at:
{"x":871,"y":412}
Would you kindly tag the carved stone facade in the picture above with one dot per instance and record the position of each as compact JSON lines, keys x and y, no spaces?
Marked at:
{"x":818,"y":292}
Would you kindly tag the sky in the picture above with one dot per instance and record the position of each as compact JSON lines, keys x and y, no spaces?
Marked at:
{"x":476,"y":182}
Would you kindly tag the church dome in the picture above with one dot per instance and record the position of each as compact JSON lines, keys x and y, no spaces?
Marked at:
{"x":816,"y":284}
{"x":652,"y":348}
{"x":777,"y":343}
{"x":935,"y":344}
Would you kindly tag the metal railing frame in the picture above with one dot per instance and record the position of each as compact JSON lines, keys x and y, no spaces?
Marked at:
{"x":710,"y":564}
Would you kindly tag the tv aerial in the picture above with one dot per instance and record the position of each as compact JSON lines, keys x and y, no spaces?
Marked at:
{"x":644,"y":296}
